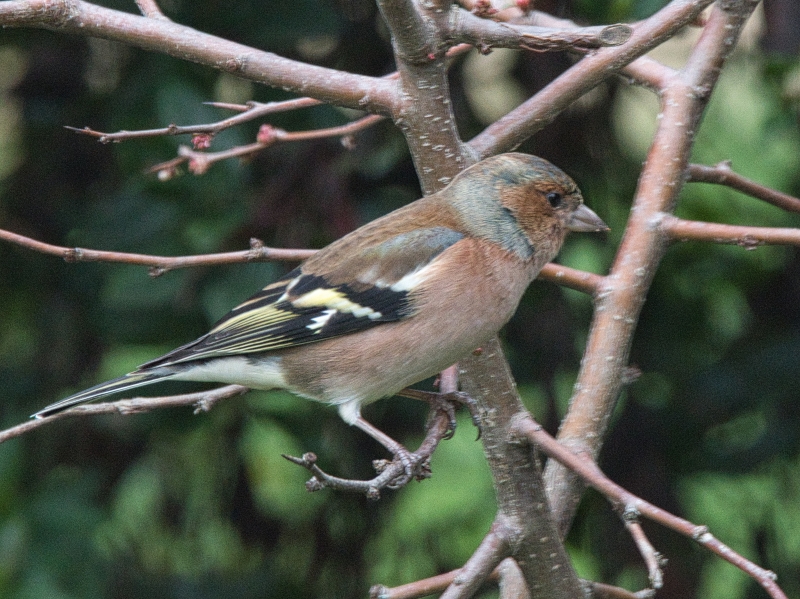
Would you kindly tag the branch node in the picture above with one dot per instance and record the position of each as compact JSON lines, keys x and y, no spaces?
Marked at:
{"x":256,"y":250}
{"x":630,"y":374}
{"x":616,"y":35}
{"x":73,"y":255}
{"x":631,"y":513}
{"x":232,"y":65}
{"x":313,"y":484}
{"x":378,"y":591}
{"x":749,"y":243}
{"x":700,"y":531}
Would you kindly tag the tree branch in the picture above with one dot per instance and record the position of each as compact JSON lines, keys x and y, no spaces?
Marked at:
{"x":723,"y":174}
{"x":150,"y":9}
{"x":203,"y":402}
{"x":524,"y":516}
{"x":747,"y":237}
{"x":158,"y":264}
{"x":619,"y":302}
{"x":652,"y":559}
{"x":578,"y":280}
{"x":528,"y":429}
{"x":511,"y":581}
{"x":424,"y":112}
{"x":200,"y":162}
{"x":508,"y":132}
{"x":486,"y":34}
{"x":494,"y":548}
{"x":160,"y":35}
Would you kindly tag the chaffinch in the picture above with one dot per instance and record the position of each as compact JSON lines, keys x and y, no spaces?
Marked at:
{"x":393,"y":302}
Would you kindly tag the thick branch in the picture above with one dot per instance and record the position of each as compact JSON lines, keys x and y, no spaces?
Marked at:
{"x":164,"y":36}
{"x":523,"y":508}
{"x":424,"y":113}
{"x":413,"y":35}
{"x":486,"y":34}
{"x":508,"y":132}
{"x":619,"y":302}
{"x":494,"y":548}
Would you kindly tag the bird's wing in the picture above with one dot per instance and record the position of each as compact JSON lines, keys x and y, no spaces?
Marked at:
{"x":308,"y":307}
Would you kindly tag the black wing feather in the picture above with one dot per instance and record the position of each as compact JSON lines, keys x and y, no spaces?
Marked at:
{"x":304,"y":308}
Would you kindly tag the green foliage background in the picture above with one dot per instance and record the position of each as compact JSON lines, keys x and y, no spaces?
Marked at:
{"x":174,"y":505}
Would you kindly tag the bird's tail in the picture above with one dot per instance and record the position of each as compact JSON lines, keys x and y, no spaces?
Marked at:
{"x":123,"y":383}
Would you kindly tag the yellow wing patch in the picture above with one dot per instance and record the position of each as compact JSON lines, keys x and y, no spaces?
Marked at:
{"x":334,"y":299}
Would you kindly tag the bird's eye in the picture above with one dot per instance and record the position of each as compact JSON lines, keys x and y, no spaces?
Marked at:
{"x":555,"y":199}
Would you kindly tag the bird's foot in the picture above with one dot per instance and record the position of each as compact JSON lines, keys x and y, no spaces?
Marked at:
{"x":392,"y":474}
{"x":411,"y":466}
{"x":446,"y":403}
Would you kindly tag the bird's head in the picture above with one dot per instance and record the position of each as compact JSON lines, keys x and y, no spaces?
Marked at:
{"x":522,"y":202}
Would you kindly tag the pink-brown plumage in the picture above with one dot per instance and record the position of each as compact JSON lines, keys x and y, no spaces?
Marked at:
{"x":391,"y":303}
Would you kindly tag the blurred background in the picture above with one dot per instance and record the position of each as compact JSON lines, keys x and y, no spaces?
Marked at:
{"x":173,"y":505}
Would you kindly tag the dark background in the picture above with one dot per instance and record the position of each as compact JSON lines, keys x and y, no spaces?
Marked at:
{"x":169,"y":504}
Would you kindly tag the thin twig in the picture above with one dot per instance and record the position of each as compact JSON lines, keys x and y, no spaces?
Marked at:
{"x":199,"y":162}
{"x":652,"y":558}
{"x":578,"y":280}
{"x":149,"y":8}
{"x":203,"y":401}
{"x":723,"y":174}
{"x":158,"y":264}
{"x":747,"y":237}
{"x":530,"y":430}
{"x":598,"y":590}
{"x":388,"y":473}
{"x":247,"y":112}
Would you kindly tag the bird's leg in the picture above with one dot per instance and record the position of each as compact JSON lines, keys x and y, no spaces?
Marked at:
{"x":445,"y":402}
{"x":413,"y":464}
{"x":406,"y":465}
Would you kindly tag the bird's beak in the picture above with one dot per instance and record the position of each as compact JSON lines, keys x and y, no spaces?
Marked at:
{"x":584,"y":220}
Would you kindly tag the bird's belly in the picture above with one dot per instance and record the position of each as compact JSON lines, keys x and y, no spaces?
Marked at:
{"x":252,"y":371}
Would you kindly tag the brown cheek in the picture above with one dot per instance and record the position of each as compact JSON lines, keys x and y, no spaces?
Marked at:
{"x":537,"y":220}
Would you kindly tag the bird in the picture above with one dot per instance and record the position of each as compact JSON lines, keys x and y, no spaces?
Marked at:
{"x":393,"y":302}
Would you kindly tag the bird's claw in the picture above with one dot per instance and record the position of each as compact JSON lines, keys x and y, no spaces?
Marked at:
{"x":445,"y":403}
{"x":414,"y":467}
{"x":466,"y":400}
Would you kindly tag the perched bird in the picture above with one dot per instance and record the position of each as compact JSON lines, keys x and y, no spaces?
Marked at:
{"x":393,"y":302}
